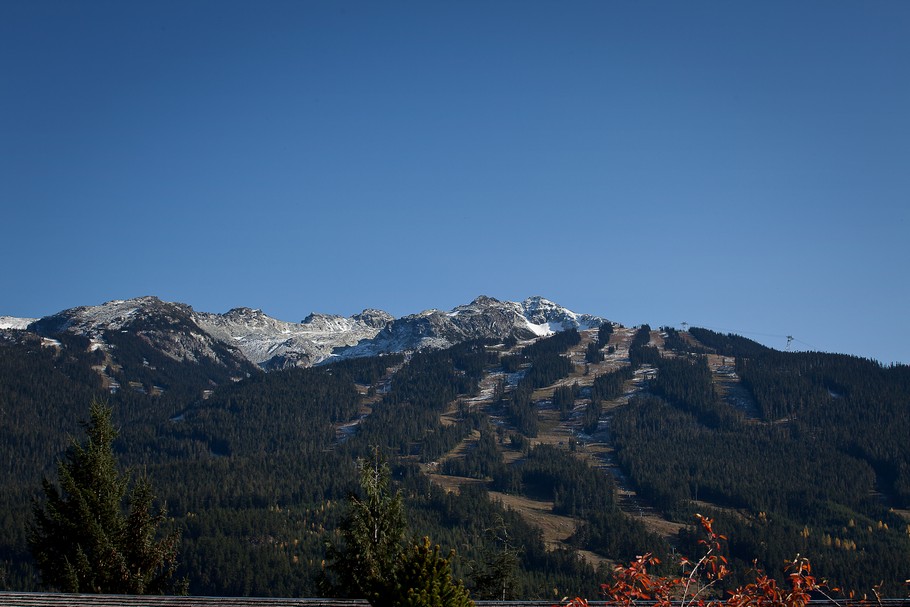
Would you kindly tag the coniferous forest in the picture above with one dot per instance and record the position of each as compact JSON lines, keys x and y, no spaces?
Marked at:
{"x":789,"y":452}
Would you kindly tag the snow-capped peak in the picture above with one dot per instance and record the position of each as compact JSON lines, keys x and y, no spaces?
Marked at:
{"x":273,"y":343}
{"x":112,"y":315}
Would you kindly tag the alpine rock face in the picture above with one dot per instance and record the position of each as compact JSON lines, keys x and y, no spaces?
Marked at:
{"x":483,"y":318}
{"x":276,"y":344}
{"x":244,"y":335}
{"x":169,"y":328}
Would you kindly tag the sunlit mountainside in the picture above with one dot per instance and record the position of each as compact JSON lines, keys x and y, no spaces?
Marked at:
{"x":584,"y":442}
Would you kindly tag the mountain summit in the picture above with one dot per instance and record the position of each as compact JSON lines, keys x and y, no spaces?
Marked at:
{"x":250,"y":335}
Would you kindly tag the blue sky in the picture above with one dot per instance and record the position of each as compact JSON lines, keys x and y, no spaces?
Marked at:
{"x":740,"y":166}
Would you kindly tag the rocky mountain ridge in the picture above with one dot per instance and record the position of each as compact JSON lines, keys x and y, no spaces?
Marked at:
{"x":245,"y":334}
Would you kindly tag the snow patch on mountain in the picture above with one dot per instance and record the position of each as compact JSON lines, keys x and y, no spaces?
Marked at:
{"x":47,"y":342}
{"x":246,"y":333}
{"x":483,"y":318}
{"x":19,"y":324}
{"x":543,"y":329}
{"x":540,"y":311}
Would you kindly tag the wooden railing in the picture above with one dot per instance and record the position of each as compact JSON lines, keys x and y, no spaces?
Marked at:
{"x":44,"y":599}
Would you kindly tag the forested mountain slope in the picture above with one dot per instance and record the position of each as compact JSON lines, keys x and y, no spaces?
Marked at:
{"x":598,"y":444}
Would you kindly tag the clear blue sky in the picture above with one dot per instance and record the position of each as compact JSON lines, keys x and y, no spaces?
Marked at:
{"x":740,"y":166}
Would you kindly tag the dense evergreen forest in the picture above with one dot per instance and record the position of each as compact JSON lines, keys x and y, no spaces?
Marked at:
{"x":821,"y":473}
{"x":254,"y":473}
{"x":254,"y":467}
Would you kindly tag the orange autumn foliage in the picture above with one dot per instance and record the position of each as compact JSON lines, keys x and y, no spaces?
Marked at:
{"x":634,"y":585}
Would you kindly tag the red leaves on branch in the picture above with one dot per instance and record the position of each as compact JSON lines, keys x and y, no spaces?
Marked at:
{"x":634,"y":586}
{"x":765,"y":592}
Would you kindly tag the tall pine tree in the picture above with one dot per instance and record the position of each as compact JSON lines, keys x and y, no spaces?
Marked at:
{"x":371,"y":561}
{"x":372,"y":533}
{"x":84,"y":539}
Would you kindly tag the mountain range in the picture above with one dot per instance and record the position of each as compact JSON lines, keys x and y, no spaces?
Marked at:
{"x":249,"y":335}
{"x":585,"y":446}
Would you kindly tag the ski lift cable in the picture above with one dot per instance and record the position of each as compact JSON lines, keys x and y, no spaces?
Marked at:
{"x":810,"y":346}
{"x":789,"y":338}
{"x":738,"y":331}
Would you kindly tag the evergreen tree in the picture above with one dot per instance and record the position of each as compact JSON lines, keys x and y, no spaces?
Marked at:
{"x":372,"y":533}
{"x":593,"y":353}
{"x":604,"y":333}
{"x":371,"y":561}
{"x":495,"y":575}
{"x":83,"y":541}
{"x":423,"y":578}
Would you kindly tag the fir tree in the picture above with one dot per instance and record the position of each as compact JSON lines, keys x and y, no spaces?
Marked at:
{"x":495,"y":574}
{"x":372,"y":533}
{"x":83,"y":541}
{"x":423,"y":578}
{"x":371,"y":561}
